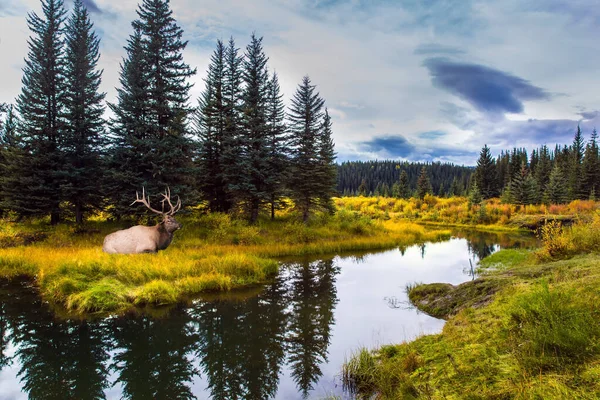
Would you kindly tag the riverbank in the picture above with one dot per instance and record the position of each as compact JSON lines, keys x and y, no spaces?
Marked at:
{"x":212,"y":253}
{"x":528,"y":327}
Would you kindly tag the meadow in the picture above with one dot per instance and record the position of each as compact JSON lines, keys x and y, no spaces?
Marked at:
{"x":527,"y":328}
{"x":213,"y":252}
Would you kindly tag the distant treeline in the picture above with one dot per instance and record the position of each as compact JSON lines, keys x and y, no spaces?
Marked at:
{"x":554,"y":176}
{"x":238,"y":150}
{"x":382,"y":178}
{"x":558,"y":175}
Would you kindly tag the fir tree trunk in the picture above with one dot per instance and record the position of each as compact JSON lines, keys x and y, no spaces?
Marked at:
{"x":54,"y":217}
{"x":272,"y":207}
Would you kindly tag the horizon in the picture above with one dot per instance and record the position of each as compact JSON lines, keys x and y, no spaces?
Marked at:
{"x":403,"y":82}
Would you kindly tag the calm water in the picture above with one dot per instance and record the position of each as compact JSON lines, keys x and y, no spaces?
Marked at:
{"x":286,"y":340}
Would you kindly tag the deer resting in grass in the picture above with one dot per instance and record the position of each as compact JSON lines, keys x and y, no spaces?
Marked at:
{"x":145,"y":239}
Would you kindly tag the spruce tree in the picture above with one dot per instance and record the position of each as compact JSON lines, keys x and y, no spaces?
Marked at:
{"x":305,"y":118}
{"x":591,"y":168}
{"x":485,"y":174}
{"x":517,"y":186}
{"x":152,"y":146}
{"x":556,"y":190}
{"x":41,"y":108}
{"x":84,"y":125}
{"x":130,"y":152}
{"x":233,"y":173}
{"x":576,"y":158}
{"x":168,"y":92}
{"x":210,"y":128}
{"x":326,"y":170}
{"x":276,"y":172}
{"x":543,"y":167}
{"x":11,"y":154}
{"x":362,"y":188}
{"x":423,"y":184}
{"x":255,"y":133}
{"x":404,"y":191}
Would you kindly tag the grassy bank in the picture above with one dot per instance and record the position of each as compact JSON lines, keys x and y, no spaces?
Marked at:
{"x":456,"y":211}
{"x":212,"y":253}
{"x":528,"y":328}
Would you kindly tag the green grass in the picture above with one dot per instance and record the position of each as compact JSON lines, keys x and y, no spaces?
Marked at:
{"x":212,"y":253}
{"x":536,"y":335}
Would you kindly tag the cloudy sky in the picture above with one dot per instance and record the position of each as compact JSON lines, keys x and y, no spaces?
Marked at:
{"x":419,"y":80}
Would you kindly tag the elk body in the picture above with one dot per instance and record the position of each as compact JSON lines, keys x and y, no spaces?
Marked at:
{"x":145,"y":239}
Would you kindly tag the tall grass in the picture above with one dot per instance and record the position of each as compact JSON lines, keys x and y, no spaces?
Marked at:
{"x":214,"y":252}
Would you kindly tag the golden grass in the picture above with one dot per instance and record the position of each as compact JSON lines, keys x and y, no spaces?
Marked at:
{"x":212,"y":253}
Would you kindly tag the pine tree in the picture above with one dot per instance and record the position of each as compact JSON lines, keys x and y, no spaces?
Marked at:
{"x":362,"y":188}
{"x":326,"y":169}
{"x":556,"y":190}
{"x":41,"y":106}
{"x":11,"y":154}
{"x":423,"y":184}
{"x":575,"y":179}
{"x":168,"y":98}
{"x":543,"y":167}
{"x":517,"y":186}
{"x":485,"y":174}
{"x":531,"y":190}
{"x":276,"y":172}
{"x":255,"y":133}
{"x":152,"y":147}
{"x":83,"y":138}
{"x":210,"y":128}
{"x":233,"y":173}
{"x":455,"y":189}
{"x":404,"y":186}
{"x":591,"y":168}
{"x":130,"y":152}
{"x":305,"y":118}
{"x":475,"y":196}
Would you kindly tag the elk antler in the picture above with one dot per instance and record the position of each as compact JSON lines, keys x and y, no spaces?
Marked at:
{"x":145,"y":201}
{"x":167,"y":198}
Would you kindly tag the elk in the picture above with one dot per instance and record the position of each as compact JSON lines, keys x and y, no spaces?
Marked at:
{"x":146,"y":239}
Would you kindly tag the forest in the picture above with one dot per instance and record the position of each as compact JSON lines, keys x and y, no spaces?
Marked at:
{"x":238,"y":150}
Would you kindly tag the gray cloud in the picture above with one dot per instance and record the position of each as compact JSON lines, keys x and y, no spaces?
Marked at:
{"x":487,"y":89}
{"x":437,"y":49}
{"x":395,"y":146}
{"x":92,"y":6}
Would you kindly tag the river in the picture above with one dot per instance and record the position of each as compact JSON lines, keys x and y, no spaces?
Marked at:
{"x":284,"y":340}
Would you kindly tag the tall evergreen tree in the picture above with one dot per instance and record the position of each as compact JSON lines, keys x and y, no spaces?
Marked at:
{"x":305,"y":118}
{"x":404,"y":186}
{"x":84,"y":128}
{"x":575,"y":178}
{"x":210,"y":126}
{"x":255,"y":140}
{"x":131,"y":155}
{"x":543,"y":168}
{"x":486,"y":175}
{"x":161,"y":149}
{"x":423,"y":184}
{"x":233,"y":173}
{"x":276,"y":173}
{"x":556,"y":190}
{"x":41,"y":106}
{"x":326,"y":169}
{"x":591,"y":168}
{"x":11,"y":155}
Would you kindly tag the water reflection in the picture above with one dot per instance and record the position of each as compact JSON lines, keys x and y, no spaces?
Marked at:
{"x":240,"y":346}
{"x":286,"y":340}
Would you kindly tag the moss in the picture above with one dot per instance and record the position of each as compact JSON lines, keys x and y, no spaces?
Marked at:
{"x":442,"y":300}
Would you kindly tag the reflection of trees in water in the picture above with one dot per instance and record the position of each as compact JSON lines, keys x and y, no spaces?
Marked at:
{"x":483,"y":244}
{"x":151,"y":360}
{"x":313,"y":297}
{"x":241,"y":346}
{"x":58,"y":360}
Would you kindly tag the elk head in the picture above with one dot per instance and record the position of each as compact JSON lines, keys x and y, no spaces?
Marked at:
{"x":169,"y":223}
